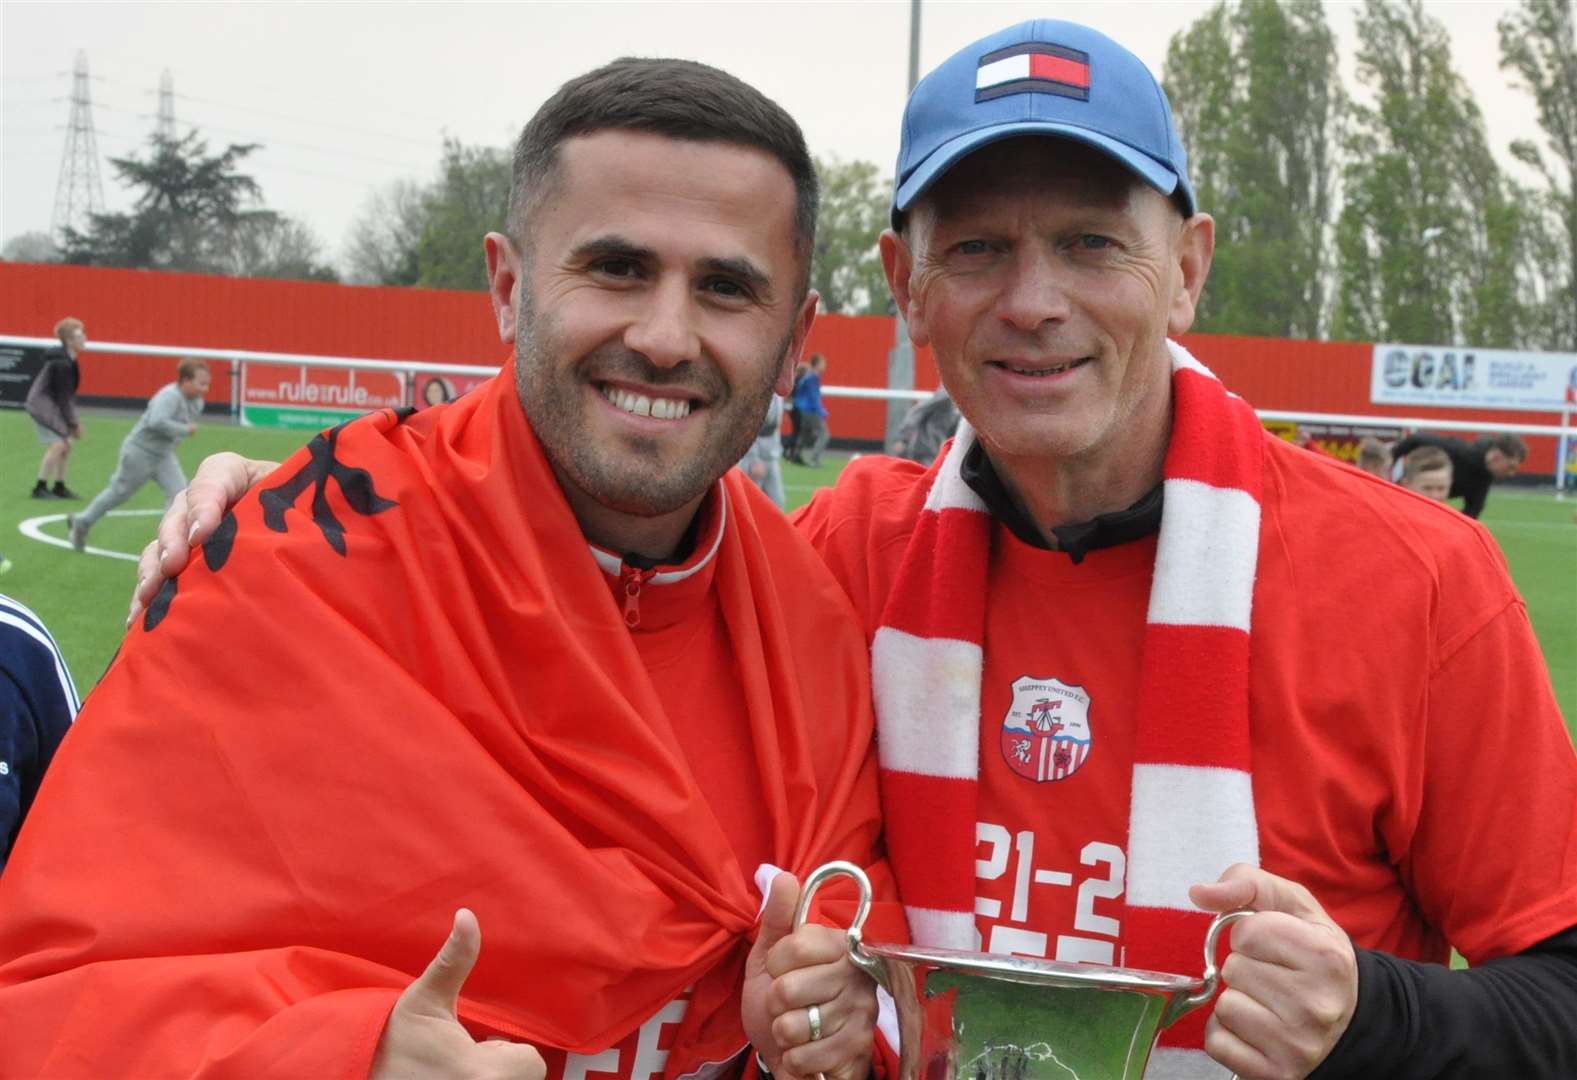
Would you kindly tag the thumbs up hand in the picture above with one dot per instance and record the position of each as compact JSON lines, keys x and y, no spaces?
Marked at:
{"x":788,"y":973}
{"x":424,"y":1037}
{"x":1291,"y":980}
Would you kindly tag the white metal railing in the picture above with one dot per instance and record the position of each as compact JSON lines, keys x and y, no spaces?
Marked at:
{"x":247,"y":355}
{"x":856,"y":392}
{"x":1374,"y":420}
{"x":881,"y":392}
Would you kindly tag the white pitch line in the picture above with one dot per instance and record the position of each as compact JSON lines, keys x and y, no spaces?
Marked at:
{"x":32,"y":529}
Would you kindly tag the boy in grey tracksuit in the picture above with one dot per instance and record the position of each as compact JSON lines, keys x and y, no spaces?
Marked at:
{"x":148,"y":451}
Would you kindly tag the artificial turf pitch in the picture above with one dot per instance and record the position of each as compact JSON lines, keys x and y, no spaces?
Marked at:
{"x":83,"y":597}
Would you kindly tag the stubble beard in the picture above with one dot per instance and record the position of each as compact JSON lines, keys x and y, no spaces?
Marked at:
{"x":629,"y":474}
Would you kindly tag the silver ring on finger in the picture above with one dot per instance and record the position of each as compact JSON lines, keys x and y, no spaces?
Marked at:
{"x":814,"y":1013}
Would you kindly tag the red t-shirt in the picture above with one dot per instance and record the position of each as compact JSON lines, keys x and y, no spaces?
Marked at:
{"x":1410,"y":765}
{"x":1053,"y":822}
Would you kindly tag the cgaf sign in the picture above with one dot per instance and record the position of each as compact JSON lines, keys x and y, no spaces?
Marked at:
{"x":1473,"y":378}
{"x":310,"y":398}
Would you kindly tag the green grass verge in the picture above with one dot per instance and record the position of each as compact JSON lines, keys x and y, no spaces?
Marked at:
{"x":83,"y":598}
{"x":800,"y":482}
{"x":1538,"y":535}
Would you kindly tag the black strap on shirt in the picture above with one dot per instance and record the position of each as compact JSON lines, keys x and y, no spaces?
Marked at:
{"x":1141,"y":519}
{"x":1511,"y":1017}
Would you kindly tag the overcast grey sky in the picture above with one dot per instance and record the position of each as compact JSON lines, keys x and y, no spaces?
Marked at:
{"x":349,"y":97}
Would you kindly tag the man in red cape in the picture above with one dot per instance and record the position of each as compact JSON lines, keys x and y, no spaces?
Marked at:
{"x":525,"y":655}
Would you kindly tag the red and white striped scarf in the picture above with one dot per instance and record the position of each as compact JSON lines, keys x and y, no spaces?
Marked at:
{"x":1192,"y":811}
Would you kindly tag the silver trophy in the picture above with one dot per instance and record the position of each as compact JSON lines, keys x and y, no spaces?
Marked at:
{"x":985,"y":1016}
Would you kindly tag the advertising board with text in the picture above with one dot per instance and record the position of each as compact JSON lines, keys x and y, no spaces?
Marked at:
{"x":19,"y":366}
{"x":1472,"y":378}
{"x":1340,"y":441}
{"x":304,"y":398}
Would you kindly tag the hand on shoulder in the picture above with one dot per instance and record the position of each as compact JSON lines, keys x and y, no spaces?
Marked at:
{"x":191,"y":518}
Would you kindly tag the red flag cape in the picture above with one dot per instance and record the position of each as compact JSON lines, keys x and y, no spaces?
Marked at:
{"x":400,"y":685}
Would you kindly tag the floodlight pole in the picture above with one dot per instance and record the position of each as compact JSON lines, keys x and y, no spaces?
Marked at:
{"x":1562,"y":451}
{"x":900,"y":361}
{"x":914,"y":43}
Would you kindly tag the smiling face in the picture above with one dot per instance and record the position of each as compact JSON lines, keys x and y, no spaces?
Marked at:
{"x":436,"y":392}
{"x":654,"y":308}
{"x":1047,"y":278}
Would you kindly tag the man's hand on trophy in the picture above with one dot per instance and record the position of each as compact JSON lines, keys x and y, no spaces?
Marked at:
{"x":191,"y":518}
{"x":807,"y":1008}
{"x":1291,"y":979}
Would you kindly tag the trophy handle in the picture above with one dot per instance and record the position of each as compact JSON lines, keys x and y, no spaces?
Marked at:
{"x":862,"y":959}
{"x":1188,"y":1004}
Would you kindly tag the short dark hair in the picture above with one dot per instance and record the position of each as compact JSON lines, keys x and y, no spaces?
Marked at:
{"x":1424,"y":459}
{"x":678,"y":99}
{"x":189,"y":367}
{"x":1507,"y":443}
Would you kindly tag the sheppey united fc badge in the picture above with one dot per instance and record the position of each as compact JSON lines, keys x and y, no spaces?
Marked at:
{"x":1046,"y":733}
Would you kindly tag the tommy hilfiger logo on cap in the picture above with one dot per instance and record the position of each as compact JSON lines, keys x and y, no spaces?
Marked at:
{"x":1033,"y":68}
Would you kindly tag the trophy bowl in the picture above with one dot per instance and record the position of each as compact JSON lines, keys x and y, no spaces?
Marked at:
{"x":985,"y":1016}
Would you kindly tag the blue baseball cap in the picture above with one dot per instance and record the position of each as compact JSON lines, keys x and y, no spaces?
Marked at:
{"x":1043,"y":77}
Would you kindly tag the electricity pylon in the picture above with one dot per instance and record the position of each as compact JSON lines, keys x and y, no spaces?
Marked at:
{"x":79,"y":191}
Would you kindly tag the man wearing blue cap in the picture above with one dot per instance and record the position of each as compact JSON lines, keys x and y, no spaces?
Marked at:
{"x":1117,"y":681}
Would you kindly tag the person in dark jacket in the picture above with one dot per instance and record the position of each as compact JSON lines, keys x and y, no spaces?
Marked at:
{"x":796,"y":422}
{"x":38,"y":702}
{"x":52,"y":403}
{"x":1474,"y":466}
{"x":927,"y":426}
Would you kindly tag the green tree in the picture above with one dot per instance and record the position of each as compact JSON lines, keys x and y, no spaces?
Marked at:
{"x":381,"y":248}
{"x":1258,"y":102}
{"x":468,"y":201}
{"x":846,"y":267}
{"x":194,"y":211}
{"x":1434,"y":246}
{"x":431,"y":235}
{"x":1539,"y":44}
{"x":273,"y":246}
{"x":187,"y":203}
